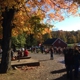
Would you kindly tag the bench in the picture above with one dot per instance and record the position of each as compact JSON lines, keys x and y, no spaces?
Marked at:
{"x":23,"y":57}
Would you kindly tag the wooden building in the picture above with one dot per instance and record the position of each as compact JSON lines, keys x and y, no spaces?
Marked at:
{"x":56,"y":42}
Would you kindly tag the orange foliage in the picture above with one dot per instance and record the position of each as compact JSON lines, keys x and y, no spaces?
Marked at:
{"x":46,"y":30}
{"x":73,"y":8}
{"x":28,"y":8}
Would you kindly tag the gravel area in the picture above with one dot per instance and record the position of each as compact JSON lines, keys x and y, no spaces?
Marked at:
{"x":48,"y":69}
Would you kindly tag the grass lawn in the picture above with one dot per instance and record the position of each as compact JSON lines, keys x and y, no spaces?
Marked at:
{"x":71,"y":45}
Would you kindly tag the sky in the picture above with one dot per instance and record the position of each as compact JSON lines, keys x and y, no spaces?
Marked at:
{"x":69,"y":24}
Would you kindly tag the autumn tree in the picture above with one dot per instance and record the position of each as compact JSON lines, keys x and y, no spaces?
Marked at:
{"x":23,"y":10}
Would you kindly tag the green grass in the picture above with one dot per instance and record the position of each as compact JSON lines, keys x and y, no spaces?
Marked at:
{"x":72,"y":45}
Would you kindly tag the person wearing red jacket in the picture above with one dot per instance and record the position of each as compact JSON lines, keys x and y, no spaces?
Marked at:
{"x":26,"y":52}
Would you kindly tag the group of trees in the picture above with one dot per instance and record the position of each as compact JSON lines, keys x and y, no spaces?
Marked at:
{"x":24,"y":40}
{"x":17,"y":16}
{"x":69,"y":37}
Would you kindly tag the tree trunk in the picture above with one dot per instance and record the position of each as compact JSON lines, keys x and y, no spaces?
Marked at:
{"x":6,"y":41}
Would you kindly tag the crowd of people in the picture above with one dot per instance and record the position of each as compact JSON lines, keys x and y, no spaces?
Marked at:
{"x":71,"y":57}
{"x":20,"y":53}
{"x":71,"y":60}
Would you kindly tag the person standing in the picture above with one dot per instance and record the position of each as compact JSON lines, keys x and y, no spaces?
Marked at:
{"x":69,"y":63}
{"x":42,"y":49}
{"x":51,"y":51}
{"x":76,"y":62}
{"x":19,"y":54}
{"x":12,"y":54}
{"x":0,"y":50}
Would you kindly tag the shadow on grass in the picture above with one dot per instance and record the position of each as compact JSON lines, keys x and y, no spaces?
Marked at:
{"x":63,"y":77}
{"x":58,"y":71}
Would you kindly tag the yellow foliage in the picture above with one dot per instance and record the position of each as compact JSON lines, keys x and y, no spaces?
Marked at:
{"x":46,"y":30}
{"x":28,"y":8}
{"x":73,"y":8}
{"x":11,"y":3}
{"x":51,"y":15}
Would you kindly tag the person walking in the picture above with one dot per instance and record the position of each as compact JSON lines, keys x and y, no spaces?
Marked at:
{"x":51,"y":51}
{"x":42,"y":49}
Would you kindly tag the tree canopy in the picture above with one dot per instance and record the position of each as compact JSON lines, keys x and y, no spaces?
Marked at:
{"x":25,"y":9}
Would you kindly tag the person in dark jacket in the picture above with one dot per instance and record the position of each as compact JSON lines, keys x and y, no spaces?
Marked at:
{"x":51,"y":50}
{"x":69,"y":62}
{"x":19,"y":54}
{"x":76,"y":62}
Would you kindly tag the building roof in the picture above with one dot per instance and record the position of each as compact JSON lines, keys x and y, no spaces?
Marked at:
{"x":50,"y":41}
